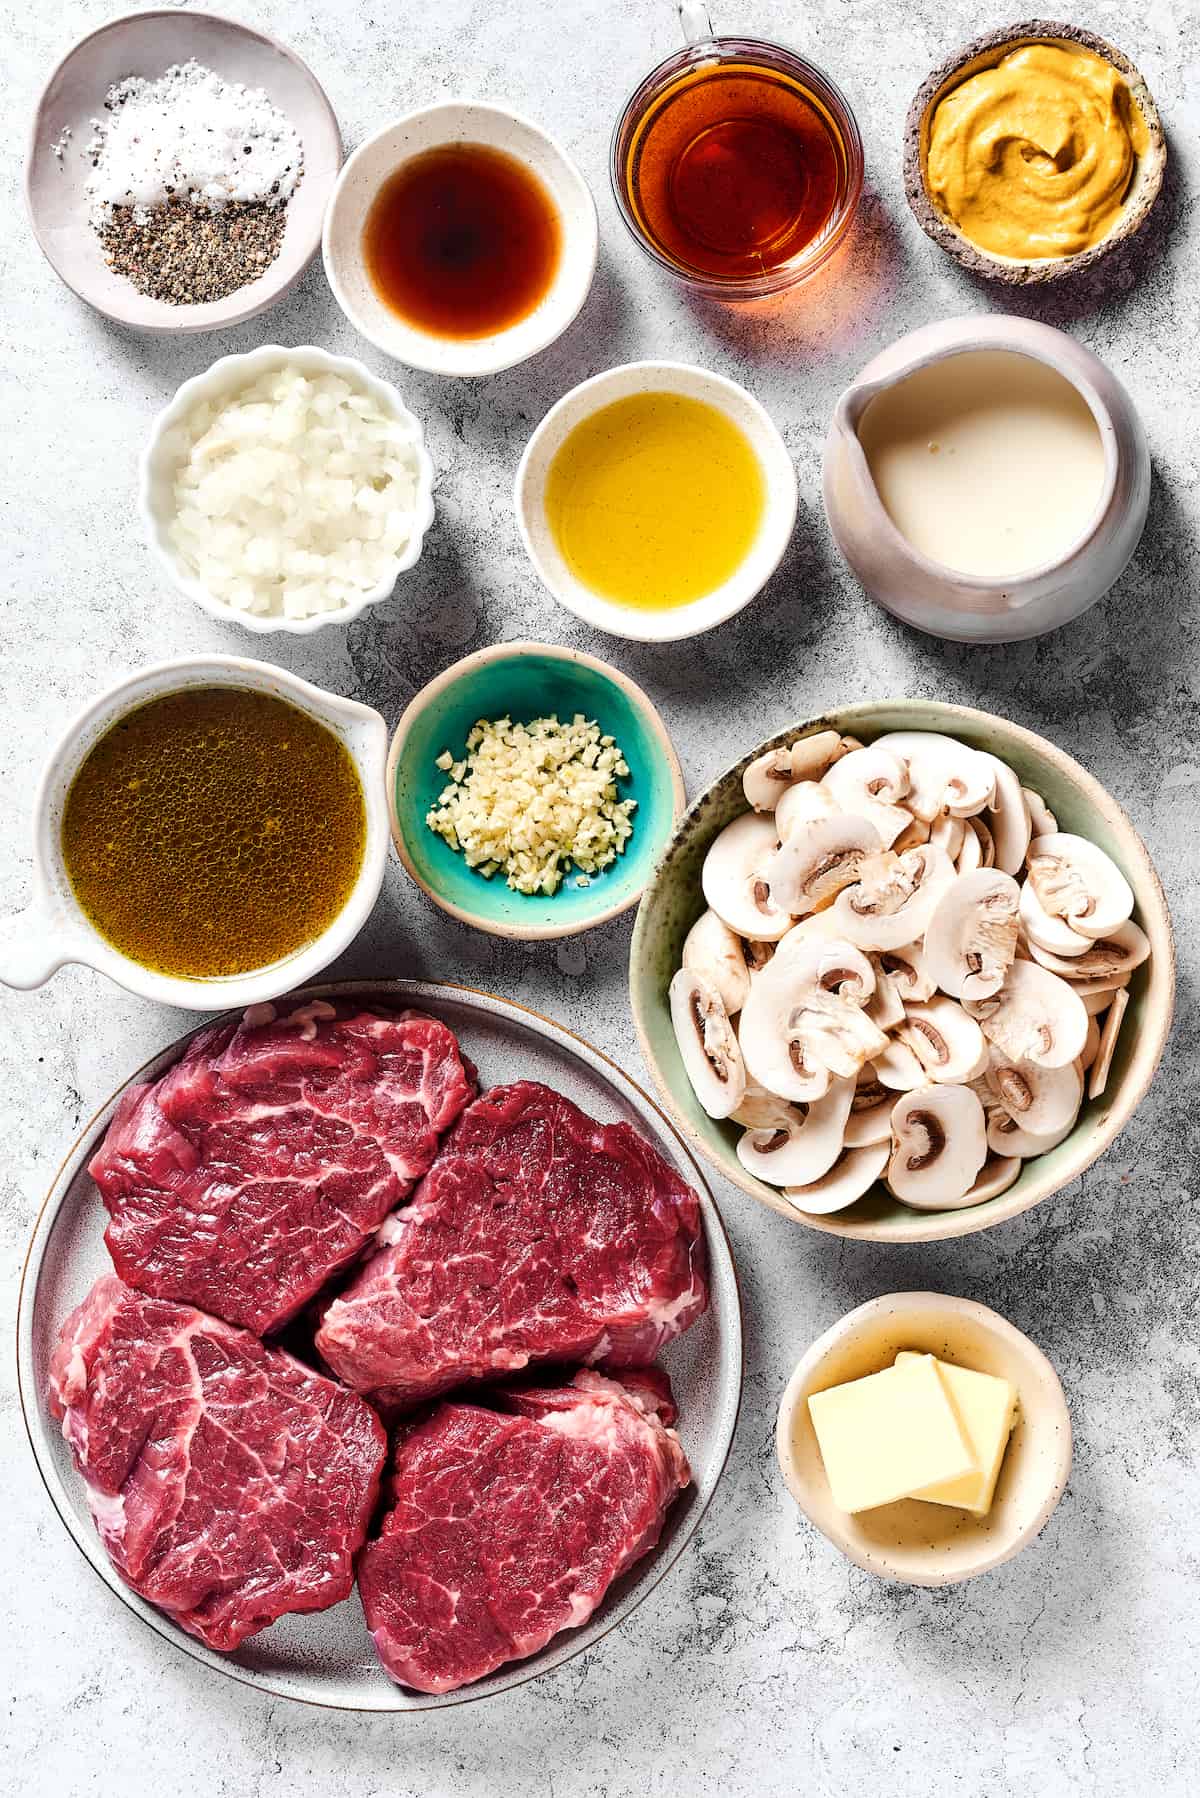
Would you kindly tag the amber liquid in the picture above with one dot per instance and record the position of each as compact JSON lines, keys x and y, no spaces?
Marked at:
{"x":735,"y":170}
{"x":462,"y":241}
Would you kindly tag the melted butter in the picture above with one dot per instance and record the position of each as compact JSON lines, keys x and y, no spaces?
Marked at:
{"x":1033,"y":158}
{"x":988,"y":462}
{"x":655,"y":500}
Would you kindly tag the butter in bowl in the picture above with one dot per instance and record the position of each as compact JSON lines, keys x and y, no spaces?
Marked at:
{"x":926,"y":1437}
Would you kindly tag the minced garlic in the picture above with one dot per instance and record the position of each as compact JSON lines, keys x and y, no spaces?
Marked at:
{"x":529,"y":800}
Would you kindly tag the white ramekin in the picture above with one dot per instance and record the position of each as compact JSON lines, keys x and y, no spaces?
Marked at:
{"x":459,"y":122}
{"x":764,"y":555}
{"x":55,"y":929}
{"x":156,"y":478}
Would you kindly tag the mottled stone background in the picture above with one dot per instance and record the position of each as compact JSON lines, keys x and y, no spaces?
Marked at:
{"x":765,"y":1664}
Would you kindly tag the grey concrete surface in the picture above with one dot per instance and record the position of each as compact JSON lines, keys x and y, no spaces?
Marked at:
{"x":765,"y":1665}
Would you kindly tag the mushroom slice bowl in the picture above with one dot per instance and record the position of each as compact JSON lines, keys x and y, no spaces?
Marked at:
{"x":917,"y":966}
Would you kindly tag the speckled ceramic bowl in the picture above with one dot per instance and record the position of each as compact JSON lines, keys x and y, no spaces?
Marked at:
{"x":525,"y":681}
{"x":982,"y":53}
{"x":673,"y":902}
{"x":915,"y":1543}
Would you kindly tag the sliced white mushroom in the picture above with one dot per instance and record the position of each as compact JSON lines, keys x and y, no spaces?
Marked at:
{"x":912,"y":836}
{"x":885,"y":1007}
{"x":853,"y":1173}
{"x":987,"y":842}
{"x":897,"y":1068}
{"x":869,"y":783}
{"x":971,"y":938}
{"x":894,"y":896}
{"x":715,"y":952}
{"x":1041,"y":818}
{"x":1044,"y":930}
{"x":999,"y":1173}
{"x":1091,"y":1047}
{"x":1035,"y":1016}
{"x":1108,"y":1042}
{"x":949,"y":834}
{"x":1005,"y":1137}
{"x":1095,"y":1003}
{"x":870,"y":1119}
{"x":944,"y":775}
{"x":804,"y":1020}
{"x":802,"y":1147}
{"x":734,"y":878}
{"x":1007,"y":818}
{"x":1123,"y":950}
{"x":1103,"y":984}
{"x":948,"y":1044}
{"x":768,"y":778}
{"x":711,"y":1057}
{"x":939,"y":1144}
{"x":908,"y":971}
{"x":803,"y":804}
{"x":1076,"y":881}
{"x":817,"y":860}
{"x":970,"y":852}
{"x":1041,"y":1100}
{"x":757,"y":1107}
{"x":757,"y":954}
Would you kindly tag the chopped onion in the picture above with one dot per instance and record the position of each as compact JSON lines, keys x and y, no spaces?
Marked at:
{"x":293,"y":496}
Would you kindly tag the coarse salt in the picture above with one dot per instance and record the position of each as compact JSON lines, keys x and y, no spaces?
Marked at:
{"x":191,"y":136}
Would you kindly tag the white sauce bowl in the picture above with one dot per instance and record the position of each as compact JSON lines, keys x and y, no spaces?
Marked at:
{"x":56,"y":930}
{"x":459,"y":122}
{"x":765,"y":554}
{"x":230,"y":375}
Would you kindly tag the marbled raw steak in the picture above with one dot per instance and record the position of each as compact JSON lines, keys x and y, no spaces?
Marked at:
{"x":538,"y":1235}
{"x":229,"y":1483}
{"x":511,"y":1518}
{"x":264,"y":1160}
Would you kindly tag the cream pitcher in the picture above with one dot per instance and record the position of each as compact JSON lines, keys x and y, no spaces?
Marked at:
{"x":1003,"y":489}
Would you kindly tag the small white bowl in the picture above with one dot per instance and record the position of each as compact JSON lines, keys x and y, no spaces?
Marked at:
{"x":764,"y":555}
{"x":56,"y":930}
{"x":459,"y":122}
{"x":156,"y":472}
{"x":148,"y":43}
{"x":912,"y":1542}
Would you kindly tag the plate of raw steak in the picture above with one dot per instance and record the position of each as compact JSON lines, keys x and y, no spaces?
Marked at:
{"x":327,"y":1657}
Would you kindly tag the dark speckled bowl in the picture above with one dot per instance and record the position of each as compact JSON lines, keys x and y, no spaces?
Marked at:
{"x":672,"y":902}
{"x":984,"y":52}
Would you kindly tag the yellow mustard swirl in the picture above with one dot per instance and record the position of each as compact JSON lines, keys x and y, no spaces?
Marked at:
{"x":1033,"y":158}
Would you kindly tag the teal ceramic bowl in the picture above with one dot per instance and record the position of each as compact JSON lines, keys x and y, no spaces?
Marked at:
{"x":672,"y":903}
{"x":525,"y":681}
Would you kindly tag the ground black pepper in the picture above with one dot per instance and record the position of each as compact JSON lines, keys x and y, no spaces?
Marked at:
{"x":188,"y":255}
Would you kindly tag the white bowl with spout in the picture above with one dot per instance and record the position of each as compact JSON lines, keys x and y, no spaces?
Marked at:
{"x":55,"y":930}
{"x":972,"y":608}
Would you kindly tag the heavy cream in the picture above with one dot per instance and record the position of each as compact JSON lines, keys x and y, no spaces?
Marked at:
{"x":987,"y":461}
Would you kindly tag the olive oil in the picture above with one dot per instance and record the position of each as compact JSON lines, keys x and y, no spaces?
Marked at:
{"x":213,"y":831}
{"x":655,"y":500}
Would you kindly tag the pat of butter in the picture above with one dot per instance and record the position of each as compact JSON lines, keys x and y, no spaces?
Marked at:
{"x":883,"y":1436}
{"x":986,"y":1407}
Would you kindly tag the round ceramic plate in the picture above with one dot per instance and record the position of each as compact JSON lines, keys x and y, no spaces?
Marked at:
{"x":146,"y":44}
{"x":328,"y":1658}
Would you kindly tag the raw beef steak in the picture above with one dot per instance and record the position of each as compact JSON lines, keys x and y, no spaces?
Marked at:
{"x":538,"y":1235}
{"x":262,"y":1162}
{"x":507,"y":1528}
{"x":229,"y":1483}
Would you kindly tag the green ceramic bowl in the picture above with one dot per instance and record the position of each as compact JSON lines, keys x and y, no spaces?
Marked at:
{"x":524,"y":681}
{"x":673,"y":902}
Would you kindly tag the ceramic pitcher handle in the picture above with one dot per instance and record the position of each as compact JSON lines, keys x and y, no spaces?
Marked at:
{"x":694,"y":21}
{"x":32,"y":947}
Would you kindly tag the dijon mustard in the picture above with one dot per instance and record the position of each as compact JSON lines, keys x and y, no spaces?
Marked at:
{"x":1033,"y":158}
